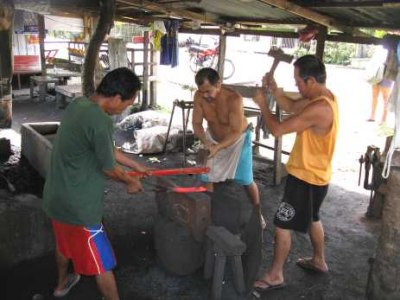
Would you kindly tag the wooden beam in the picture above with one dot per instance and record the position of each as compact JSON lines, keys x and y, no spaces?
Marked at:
{"x":171,"y":11}
{"x":308,"y":14}
{"x":350,"y":4}
{"x":345,"y":38}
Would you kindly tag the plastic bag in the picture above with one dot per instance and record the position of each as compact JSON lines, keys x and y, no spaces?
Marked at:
{"x":143,"y":119}
{"x":151,"y":140}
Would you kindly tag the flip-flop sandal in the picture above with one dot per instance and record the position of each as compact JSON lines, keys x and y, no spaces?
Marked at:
{"x":307,"y":264}
{"x":269,"y":286}
{"x":72,"y":279}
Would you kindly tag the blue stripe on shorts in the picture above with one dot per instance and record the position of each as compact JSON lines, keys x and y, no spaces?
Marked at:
{"x":103,"y":246}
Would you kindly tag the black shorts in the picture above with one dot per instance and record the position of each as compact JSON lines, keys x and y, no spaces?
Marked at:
{"x":300,"y":204}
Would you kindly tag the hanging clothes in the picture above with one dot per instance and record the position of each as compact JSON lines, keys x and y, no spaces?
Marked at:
{"x":169,"y":44}
{"x":158,"y":30}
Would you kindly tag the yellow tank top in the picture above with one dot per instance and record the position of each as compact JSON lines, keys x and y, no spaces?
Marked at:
{"x":311,"y":156}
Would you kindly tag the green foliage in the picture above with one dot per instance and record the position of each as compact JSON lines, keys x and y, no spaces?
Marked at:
{"x":63,"y":34}
{"x":335,"y":53}
{"x":339,"y":53}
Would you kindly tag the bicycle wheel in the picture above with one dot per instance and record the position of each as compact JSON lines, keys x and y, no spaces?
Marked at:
{"x":229,"y":69}
{"x":194,"y":64}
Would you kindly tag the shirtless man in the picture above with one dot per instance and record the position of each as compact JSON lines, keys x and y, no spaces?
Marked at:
{"x":228,"y":137}
{"x":315,"y":120}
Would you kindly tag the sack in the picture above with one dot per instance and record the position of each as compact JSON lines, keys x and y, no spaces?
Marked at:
{"x":374,"y":76}
{"x":151,"y":140}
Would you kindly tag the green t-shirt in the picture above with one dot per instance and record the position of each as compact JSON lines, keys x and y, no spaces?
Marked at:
{"x":82,"y":151}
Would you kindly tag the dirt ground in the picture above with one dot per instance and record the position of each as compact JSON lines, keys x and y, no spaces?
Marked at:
{"x":351,"y":239}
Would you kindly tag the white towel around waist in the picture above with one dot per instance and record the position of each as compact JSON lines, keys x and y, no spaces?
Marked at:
{"x":224,"y":164}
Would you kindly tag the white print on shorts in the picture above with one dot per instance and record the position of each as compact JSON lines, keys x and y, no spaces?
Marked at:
{"x":285,"y":212}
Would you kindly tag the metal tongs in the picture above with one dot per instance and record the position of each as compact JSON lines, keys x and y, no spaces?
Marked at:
{"x":171,"y":172}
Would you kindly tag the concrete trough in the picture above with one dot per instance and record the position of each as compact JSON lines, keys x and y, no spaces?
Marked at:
{"x":37,"y":143}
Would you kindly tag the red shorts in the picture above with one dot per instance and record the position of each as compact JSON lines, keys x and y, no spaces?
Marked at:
{"x":87,"y":247}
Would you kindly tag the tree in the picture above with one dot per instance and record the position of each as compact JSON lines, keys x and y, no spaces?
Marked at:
{"x":6,"y":66}
{"x":384,"y":277}
{"x":104,"y":25}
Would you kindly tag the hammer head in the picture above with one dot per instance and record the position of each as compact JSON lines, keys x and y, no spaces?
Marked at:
{"x":202,"y":156}
{"x":279,"y":55}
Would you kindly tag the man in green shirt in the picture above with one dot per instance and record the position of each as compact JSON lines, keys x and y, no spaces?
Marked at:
{"x":83,"y":155}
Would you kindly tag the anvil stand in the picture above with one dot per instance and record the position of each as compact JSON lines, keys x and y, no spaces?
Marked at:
{"x":185,"y":106}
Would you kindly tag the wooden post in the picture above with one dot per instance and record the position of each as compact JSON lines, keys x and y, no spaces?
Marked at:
{"x":383,"y":281}
{"x":221,"y":55}
{"x":42,"y":35}
{"x":87,"y":27}
{"x":145,"y":88}
{"x":104,"y":25}
{"x":6,"y":63}
{"x":321,"y":38}
{"x":153,"y":82}
{"x":117,"y":53}
{"x":278,"y":151}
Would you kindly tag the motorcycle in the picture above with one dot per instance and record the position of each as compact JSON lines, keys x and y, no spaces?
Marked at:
{"x":201,"y":57}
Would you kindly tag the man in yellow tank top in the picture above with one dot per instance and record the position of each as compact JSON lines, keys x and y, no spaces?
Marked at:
{"x":314,"y":118}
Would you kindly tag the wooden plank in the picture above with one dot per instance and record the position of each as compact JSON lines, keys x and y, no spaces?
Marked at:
{"x":311,"y":15}
{"x":248,"y":91}
{"x":245,"y":91}
{"x":70,"y":91}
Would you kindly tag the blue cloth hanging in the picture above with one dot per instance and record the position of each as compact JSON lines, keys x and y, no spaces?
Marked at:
{"x":169,"y":44}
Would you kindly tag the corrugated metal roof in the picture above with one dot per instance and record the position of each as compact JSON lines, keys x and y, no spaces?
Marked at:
{"x":339,"y":14}
{"x":361,"y":13}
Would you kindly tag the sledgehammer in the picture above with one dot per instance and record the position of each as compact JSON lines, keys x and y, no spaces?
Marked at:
{"x":278,"y":56}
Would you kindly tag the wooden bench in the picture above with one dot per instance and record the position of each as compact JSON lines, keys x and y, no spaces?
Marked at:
{"x":66,"y":93}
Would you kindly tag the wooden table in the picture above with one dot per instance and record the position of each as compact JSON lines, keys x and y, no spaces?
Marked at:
{"x":66,"y":93}
{"x":41,"y":82}
{"x":62,"y":75}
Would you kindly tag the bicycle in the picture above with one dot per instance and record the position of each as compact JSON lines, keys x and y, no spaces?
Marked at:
{"x":200,"y":57}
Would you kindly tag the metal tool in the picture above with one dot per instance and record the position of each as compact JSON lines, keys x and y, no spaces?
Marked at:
{"x":176,"y":189}
{"x":278,"y":56}
{"x":361,"y":161}
{"x":372,"y":177}
{"x":170,"y":172}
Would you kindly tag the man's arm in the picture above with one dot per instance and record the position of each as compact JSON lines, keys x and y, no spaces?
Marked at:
{"x":118,"y":173}
{"x":197,"y":120}
{"x":318,"y":115}
{"x":285,"y":103}
{"x":133,"y":183}
{"x":122,"y":159}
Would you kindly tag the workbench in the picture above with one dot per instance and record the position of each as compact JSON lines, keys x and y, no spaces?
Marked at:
{"x":66,"y":93}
